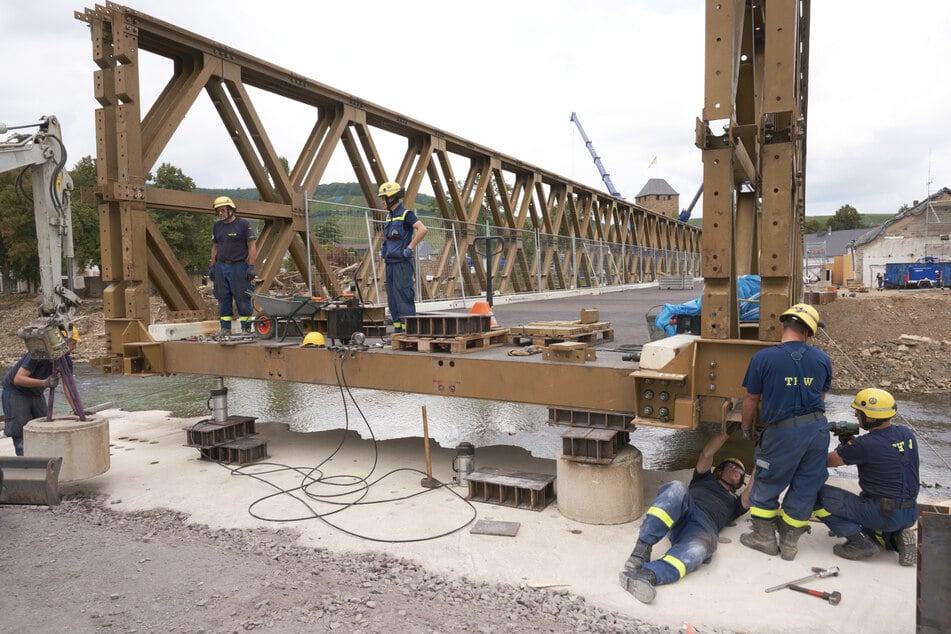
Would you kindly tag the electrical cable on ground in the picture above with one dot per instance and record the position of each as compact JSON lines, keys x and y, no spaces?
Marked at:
{"x":356,"y":485}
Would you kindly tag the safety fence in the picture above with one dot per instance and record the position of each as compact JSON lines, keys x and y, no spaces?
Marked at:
{"x":460,"y":260}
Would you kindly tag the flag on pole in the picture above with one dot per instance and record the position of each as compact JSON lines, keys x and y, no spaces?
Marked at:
{"x":653,"y":161}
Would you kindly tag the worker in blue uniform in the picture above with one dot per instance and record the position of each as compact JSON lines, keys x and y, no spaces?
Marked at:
{"x":233,"y":251}
{"x":403,"y":231}
{"x":693,"y":515}
{"x":788,"y":382}
{"x":24,"y":388}
{"x":887,"y":459}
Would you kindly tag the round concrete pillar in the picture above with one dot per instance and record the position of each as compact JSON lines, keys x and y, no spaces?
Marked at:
{"x":602,"y":494}
{"x":83,"y":445}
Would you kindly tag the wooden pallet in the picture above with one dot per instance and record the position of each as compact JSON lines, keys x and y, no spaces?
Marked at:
{"x":451,"y":345}
{"x":547,"y":333}
{"x":856,"y":286}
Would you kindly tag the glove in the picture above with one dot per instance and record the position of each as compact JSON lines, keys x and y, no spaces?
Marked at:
{"x":211,"y":273}
{"x":250,"y":274}
{"x":748,"y":433}
{"x":844,"y":438}
{"x":51,"y":381}
{"x":407,"y":253}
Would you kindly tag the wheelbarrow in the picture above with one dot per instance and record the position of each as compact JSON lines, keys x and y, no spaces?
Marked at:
{"x":277,"y":314}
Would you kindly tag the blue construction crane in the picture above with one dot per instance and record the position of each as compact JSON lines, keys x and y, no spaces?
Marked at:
{"x":597,"y":160}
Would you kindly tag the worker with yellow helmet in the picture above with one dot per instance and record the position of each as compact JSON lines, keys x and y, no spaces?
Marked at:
{"x":233,"y":251}
{"x":24,"y":388}
{"x":403,"y":231}
{"x":880,"y":517}
{"x":786,"y":385}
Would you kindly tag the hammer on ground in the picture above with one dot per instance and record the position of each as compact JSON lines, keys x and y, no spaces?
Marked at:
{"x":832,"y":597}
{"x":817,"y":573}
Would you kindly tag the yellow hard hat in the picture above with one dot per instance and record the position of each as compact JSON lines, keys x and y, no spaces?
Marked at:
{"x":313,"y":340}
{"x":718,"y":470}
{"x":805,"y":314}
{"x":224,"y":201}
{"x":875,"y":403}
{"x":390,"y":189}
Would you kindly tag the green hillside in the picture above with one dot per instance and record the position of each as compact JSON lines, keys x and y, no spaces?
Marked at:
{"x":339,"y":193}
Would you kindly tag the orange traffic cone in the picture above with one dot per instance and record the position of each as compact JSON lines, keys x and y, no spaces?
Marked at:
{"x":483,"y":308}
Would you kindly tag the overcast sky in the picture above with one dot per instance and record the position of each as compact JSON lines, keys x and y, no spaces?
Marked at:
{"x":508,"y":75}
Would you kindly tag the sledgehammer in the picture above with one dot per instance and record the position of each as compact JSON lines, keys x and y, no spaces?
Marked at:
{"x":832,"y":597}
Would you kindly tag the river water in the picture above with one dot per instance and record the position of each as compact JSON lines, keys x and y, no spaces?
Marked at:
{"x":453,"y":420}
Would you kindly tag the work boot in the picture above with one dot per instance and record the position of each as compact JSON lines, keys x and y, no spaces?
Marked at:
{"x":639,"y":556}
{"x":907,"y":550}
{"x":224,"y":332}
{"x":788,"y":537}
{"x":640,"y":583}
{"x":763,"y":537}
{"x":856,"y":547}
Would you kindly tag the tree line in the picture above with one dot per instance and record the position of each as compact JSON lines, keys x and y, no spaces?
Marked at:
{"x":189,"y":235}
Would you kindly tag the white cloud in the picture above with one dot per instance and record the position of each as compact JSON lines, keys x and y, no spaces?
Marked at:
{"x":507,"y":75}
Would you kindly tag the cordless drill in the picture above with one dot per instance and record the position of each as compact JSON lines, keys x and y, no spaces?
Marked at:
{"x":845,"y":430}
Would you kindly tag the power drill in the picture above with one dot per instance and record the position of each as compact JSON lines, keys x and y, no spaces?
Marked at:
{"x":843,"y":427}
{"x":845,"y":430}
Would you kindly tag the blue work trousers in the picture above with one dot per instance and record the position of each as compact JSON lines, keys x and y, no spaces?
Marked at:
{"x":693,"y":535}
{"x":846,"y":513}
{"x":791,"y":456}
{"x":400,"y":293}
{"x":232,"y":287}
{"x":18,"y":410}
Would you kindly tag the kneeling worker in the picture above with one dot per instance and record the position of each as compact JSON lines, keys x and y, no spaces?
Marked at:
{"x":887,"y":459}
{"x":694,"y":515}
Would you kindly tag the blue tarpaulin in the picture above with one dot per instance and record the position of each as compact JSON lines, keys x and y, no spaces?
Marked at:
{"x":747,"y":290}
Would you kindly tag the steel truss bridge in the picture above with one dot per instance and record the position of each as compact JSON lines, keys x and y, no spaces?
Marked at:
{"x":522,"y":200}
{"x":752,"y":141}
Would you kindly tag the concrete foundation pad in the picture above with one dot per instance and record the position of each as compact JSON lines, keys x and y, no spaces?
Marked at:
{"x":602,"y":494}
{"x":83,"y":445}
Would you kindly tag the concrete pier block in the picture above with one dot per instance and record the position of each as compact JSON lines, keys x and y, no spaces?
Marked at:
{"x":602,"y":493}
{"x":83,"y":445}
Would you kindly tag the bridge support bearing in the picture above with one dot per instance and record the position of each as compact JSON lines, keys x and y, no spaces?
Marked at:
{"x":602,"y":493}
{"x":83,"y":445}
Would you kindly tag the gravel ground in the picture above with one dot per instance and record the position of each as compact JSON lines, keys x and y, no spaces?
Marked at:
{"x":80,"y":567}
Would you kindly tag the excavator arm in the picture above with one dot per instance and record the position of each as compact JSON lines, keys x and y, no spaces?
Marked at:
{"x":42,"y":152}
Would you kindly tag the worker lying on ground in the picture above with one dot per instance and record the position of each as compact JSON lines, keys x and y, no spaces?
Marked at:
{"x":694,"y":516}
{"x":887,"y":458}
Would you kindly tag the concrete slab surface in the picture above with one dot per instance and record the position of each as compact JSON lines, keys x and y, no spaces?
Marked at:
{"x":152,"y":468}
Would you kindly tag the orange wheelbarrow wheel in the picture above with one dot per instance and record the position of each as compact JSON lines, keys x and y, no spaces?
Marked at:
{"x":265,"y":326}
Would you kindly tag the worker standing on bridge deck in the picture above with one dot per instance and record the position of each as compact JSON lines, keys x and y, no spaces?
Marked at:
{"x":233,"y":250}
{"x":24,"y":387}
{"x":790,"y":380}
{"x":694,"y":515}
{"x":887,"y":459}
{"x":403,"y":231}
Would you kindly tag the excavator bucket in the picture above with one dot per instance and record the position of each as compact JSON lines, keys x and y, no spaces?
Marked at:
{"x":27,"y":480}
